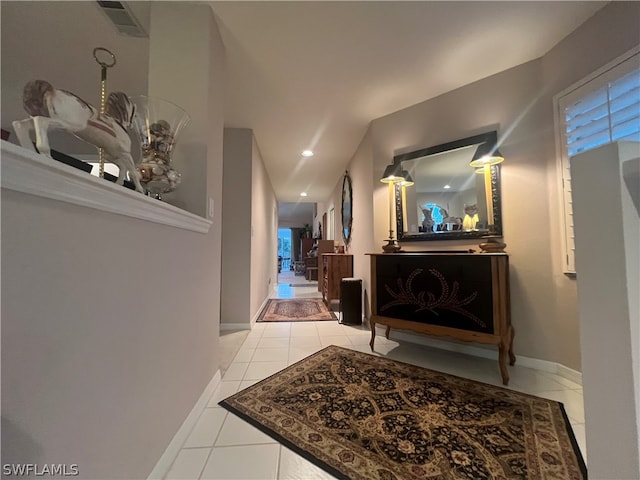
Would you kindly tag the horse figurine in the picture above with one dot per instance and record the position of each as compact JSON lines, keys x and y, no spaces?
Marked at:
{"x":52,"y":108}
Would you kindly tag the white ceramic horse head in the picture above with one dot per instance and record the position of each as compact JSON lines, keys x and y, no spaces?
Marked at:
{"x":59,"y":109}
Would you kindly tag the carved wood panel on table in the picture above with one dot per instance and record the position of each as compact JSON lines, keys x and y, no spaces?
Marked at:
{"x":463,"y":296}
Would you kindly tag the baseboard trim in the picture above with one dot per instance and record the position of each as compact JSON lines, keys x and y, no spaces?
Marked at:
{"x":254,"y":319}
{"x":234,"y":326}
{"x":163,"y":465}
{"x":570,"y":374}
{"x":245,"y":326}
{"x":490,"y":353}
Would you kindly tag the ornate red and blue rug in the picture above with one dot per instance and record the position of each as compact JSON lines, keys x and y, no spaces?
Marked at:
{"x":360,"y":416}
{"x":295,"y":310}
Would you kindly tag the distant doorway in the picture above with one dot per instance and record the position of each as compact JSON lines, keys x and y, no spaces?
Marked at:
{"x":284,"y":250}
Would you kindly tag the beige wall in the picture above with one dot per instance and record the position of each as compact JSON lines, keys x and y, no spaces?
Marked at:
{"x":611,"y":32}
{"x":518,"y":104}
{"x":171,"y":27}
{"x":48,"y":59}
{"x":109,"y":324}
{"x":362,"y":239}
{"x":264,"y":233}
{"x":508,"y":102}
{"x":297,"y":220}
{"x":236,"y":225}
{"x":250,"y":230}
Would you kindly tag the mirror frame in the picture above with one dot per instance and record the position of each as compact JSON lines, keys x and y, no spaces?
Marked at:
{"x":347,"y":189}
{"x":490,"y":137}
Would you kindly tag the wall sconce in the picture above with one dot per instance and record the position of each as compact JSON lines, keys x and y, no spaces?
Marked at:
{"x":408,"y":179}
{"x":392,"y":174}
{"x":485,"y":157}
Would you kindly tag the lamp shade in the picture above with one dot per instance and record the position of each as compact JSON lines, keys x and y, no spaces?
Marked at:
{"x":486,"y":155}
{"x":392,"y":174}
{"x":408,"y":179}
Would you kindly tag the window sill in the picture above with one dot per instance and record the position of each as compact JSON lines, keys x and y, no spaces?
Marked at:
{"x":29,"y":172}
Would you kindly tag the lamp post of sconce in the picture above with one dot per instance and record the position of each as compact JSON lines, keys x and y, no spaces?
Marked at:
{"x":392,"y":174}
{"x":485,"y":157}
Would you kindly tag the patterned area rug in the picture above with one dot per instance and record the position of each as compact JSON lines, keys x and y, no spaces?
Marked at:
{"x":295,"y":310}
{"x":360,"y":416}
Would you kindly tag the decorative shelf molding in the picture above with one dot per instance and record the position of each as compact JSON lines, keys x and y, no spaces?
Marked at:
{"x":29,"y":172}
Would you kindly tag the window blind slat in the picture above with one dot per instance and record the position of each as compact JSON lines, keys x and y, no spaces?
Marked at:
{"x":635,"y":137}
{"x":625,"y":129}
{"x":625,"y":83}
{"x":588,"y":130}
{"x":592,"y":100}
{"x":602,"y":111}
{"x":590,"y":142}
{"x":621,"y":116}
{"x":630,"y":98}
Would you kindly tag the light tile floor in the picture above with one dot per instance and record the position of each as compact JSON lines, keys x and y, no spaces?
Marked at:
{"x":223,"y":447}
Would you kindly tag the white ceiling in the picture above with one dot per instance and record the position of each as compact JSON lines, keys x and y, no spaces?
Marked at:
{"x":314,"y":74}
{"x":301,"y":74}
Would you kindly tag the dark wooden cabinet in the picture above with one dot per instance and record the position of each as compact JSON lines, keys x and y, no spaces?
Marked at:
{"x":306,"y":245}
{"x":336,"y":266}
{"x":464,"y":296}
{"x":311,"y":268}
{"x":324,"y":246}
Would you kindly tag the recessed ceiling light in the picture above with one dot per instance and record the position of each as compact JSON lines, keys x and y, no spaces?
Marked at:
{"x":303,"y":194}
{"x":307,"y":153}
{"x":447,"y":186}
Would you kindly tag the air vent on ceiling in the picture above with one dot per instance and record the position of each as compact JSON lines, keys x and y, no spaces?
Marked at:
{"x":122,"y":18}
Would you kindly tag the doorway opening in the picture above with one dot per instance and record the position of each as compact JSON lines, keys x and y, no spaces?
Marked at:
{"x":284,"y":250}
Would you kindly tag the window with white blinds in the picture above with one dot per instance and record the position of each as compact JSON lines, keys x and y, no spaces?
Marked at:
{"x":602,"y":108}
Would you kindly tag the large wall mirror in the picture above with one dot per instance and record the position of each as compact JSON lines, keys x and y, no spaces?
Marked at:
{"x":347,"y":208}
{"x":449,"y":199}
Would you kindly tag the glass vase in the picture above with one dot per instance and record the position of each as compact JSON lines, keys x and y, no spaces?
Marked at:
{"x":158,"y":123}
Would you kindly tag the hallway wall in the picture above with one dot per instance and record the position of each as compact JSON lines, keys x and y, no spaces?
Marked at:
{"x":250,"y":230}
{"x":360,"y":170}
{"x":518,"y":104}
{"x":110,"y":324}
{"x":264,"y":233}
{"x":236,"y":226}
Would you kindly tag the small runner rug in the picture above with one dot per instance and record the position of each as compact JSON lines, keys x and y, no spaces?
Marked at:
{"x":295,"y":310}
{"x":360,"y":416}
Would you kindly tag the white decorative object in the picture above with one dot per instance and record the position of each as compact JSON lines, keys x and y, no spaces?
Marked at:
{"x":52,"y":108}
{"x":158,"y":122}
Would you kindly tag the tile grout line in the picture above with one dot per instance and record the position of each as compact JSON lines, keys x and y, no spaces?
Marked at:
{"x":205,"y":463}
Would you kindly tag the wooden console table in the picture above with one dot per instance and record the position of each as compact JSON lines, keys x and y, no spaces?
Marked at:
{"x":464,"y":296}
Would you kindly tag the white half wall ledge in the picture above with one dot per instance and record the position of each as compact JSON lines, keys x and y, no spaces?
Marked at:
{"x":29,"y":172}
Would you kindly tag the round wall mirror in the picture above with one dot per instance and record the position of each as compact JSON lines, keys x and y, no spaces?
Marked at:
{"x":347,"y":208}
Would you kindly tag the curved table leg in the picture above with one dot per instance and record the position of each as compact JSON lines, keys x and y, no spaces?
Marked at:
{"x":373,"y":333}
{"x":512,"y":356}
{"x":502,"y":360}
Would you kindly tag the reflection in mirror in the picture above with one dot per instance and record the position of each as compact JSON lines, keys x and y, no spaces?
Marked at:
{"x":448,"y":199}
